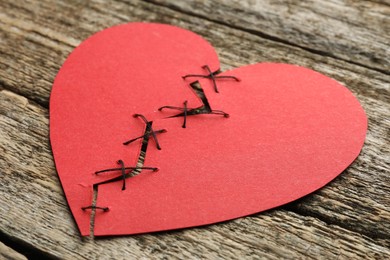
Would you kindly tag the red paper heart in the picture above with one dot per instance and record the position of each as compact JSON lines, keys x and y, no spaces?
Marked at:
{"x":291,"y":130}
{"x":115,"y":73}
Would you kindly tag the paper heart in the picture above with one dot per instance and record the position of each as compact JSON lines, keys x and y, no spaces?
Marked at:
{"x":291,"y":130}
{"x":115,"y":73}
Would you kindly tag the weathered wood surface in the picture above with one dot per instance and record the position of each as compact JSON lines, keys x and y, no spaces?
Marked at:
{"x":8,"y":253}
{"x":349,"y":218}
{"x":339,"y":29}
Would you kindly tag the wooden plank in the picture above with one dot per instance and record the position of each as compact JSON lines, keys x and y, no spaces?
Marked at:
{"x":31,"y":193}
{"x":354,"y":31}
{"x":357,"y":187}
{"x":46,"y":32}
{"x":29,"y":67}
{"x":8,"y":253}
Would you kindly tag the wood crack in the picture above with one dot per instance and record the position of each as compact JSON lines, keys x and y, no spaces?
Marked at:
{"x":28,"y":250}
{"x":378,"y":237}
{"x":36,"y":102}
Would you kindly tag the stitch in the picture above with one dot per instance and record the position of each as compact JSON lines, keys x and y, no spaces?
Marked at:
{"x":212,"y":75}
{"x":128,"y":168}
{"x":145,"y":135}
{"x":185,"y":110}
{"x":120,"y":162}
{"x":149,"y":131}
{"x":205,"y":109}
{"x":105,"y":209}
{"x":124,"y":175}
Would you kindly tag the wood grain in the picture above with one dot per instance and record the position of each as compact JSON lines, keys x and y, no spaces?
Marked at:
{"x":33,"y":195}
{"x":9,"y":253}
{"x":354,"y":31}
{"x":350,"y":217}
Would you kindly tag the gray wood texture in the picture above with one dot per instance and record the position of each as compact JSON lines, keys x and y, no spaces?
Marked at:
{"x":8,"y":253}
{"x":346,"y":40}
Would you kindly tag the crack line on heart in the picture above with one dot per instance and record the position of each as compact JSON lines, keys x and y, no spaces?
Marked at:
{"x":202,"y":110}
{"x":124,"y":175}
{"x":134,"y":172}
{"x":149,"y":132}
{"x":93,"y":211}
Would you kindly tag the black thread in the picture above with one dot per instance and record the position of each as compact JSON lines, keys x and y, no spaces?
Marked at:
{"x":219,"y":112}
{"x":211,"y":75}
{"x":120,"y":162}
{"x":185,"y":114}
{"x":105,"y":209}
{"x":123,"y":172}
{"x":205,"y":109}
{"x":144,"y":136}
{"x":184,"y":109}
{"x":149,"y":131}
{"x":128,"y":168}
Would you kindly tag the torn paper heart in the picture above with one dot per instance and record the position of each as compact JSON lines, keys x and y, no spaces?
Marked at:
{"x":289,"y":132}
{"x":115,"y":73}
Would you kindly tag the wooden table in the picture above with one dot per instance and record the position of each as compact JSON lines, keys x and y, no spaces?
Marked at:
{"x":344,"y":39}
